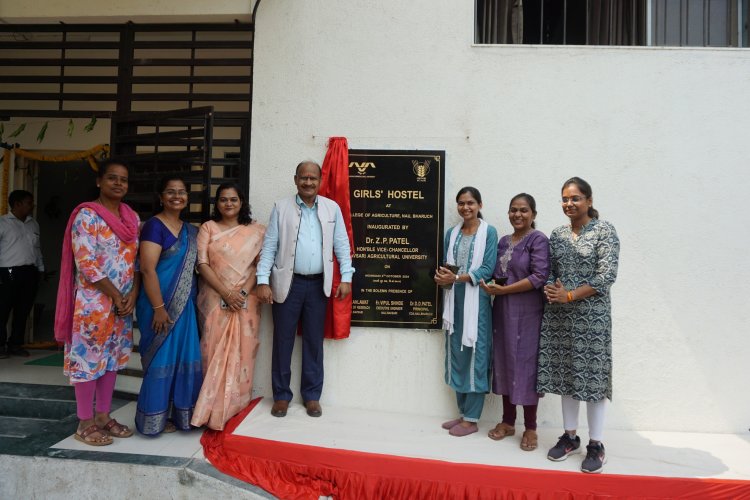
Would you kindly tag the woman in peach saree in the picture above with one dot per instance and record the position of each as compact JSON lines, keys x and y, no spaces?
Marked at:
{"x":228,"y":309}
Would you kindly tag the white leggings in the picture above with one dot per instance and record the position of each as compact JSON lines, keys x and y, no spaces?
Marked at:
{"x":595,"y":413}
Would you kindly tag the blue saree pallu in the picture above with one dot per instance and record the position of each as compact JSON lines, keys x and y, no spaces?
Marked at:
{"x":171,"y":361}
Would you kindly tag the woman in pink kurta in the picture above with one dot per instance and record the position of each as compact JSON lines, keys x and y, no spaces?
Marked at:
{"x":228,"y":310}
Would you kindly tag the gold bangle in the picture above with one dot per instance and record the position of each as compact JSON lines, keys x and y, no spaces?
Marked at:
{"x":158,"y":307}
{"x":570,"y":296}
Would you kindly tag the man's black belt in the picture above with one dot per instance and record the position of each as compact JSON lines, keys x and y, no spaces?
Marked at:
{"x":318,"y":276}
{"x":17,"y":267}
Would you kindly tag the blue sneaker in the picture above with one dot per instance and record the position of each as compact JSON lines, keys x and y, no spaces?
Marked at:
{"x":565,"y":446}
{"x":595,"y":459}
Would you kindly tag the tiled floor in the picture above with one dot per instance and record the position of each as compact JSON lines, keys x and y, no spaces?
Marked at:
{"x":37,"y":419}
{"x":665,"y":454}
{"x":642,"y":453}
{"x":176,"y":444}
{"x":13,"y":369}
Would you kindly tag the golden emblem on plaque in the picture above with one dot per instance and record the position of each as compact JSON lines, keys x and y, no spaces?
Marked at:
{"x":361,"y":166}
{"x":421,"y":169}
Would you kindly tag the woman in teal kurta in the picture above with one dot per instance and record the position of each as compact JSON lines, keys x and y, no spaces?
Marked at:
{"x":470,"y":255}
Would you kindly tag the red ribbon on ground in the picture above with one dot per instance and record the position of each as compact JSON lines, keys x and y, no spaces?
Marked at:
{"x":296,"y":471}
{"x":335,"y":185}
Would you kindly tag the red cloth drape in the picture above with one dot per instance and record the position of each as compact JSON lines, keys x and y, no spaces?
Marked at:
{"x":335,"y":185}
{"x":295,"y":471}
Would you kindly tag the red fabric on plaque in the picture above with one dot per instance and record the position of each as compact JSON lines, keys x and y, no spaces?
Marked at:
{"x":335,"y":185}
{"x":294,"y":471}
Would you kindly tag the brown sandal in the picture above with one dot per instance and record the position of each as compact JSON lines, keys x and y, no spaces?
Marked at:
{"x":169,"y":427}
{"x":501,"y":431}
{"x":116,"y":429}
{"x":88,"y":431}
{"x":529,"y":440}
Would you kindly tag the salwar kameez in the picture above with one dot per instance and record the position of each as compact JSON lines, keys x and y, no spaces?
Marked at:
{"x":467,"y":369}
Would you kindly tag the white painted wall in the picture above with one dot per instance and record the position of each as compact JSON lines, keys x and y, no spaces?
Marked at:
{"x":659,"y":133}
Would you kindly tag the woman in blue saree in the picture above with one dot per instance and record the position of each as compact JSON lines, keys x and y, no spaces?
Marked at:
{"x":169,"y":345}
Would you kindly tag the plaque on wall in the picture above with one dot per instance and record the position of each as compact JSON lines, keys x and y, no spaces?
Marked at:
{"x":397,"y":219}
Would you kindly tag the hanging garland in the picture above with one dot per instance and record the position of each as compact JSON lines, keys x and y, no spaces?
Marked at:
{"x":43,"y":130}
{"x":101,"y":151}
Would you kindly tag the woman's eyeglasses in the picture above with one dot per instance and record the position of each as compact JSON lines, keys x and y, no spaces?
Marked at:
{"x":172,"y":192}
{"x":574,"y":199}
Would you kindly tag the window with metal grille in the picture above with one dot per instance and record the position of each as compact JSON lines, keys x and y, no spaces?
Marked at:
{"x":695,"y":23}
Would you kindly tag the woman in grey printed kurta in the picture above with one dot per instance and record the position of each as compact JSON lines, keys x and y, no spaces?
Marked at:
{"x":467,"y":314}
{"x":575,"y":349}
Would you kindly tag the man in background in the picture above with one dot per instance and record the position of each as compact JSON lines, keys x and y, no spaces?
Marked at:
{"x":20,"y":266}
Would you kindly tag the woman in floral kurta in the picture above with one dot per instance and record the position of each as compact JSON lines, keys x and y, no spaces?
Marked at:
{"x":96,"y":297}
{"x":102,"y":340}
{"x":575,"y":348}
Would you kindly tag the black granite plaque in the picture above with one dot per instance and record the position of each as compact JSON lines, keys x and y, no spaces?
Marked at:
{"x":397,"y":218}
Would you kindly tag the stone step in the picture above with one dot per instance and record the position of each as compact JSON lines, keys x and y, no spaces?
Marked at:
{"x":55,"y":409}
{"x":22,"y":427}
{"x":36,"y":391}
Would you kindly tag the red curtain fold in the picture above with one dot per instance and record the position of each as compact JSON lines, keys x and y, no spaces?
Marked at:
{"x":335,"y":185}
{"x":294,"y":471}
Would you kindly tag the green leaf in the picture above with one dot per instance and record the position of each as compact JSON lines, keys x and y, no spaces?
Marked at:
{"x":42,"y":132}
{"x":71,"y":127}
{"x":90,"y":125}
{"x":18,"y":131}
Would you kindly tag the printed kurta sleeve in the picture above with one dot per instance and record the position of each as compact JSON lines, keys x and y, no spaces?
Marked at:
{"x":608,"y":255}
{"x":204,"y":238}
{"x":484,"y":272}
{"x":554,"y":260}
{"x":84,"y":239}
{"x":446,"y":242}
{"x":538,"y":260}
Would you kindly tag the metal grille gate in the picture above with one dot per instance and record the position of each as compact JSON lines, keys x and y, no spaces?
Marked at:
{"x":179,"y":95}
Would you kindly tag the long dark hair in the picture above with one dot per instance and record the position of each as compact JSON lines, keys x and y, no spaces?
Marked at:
{"x":474,"y":192}
{"x":585,"y":188}
{"x":161,"y":185}
{"x":245,"y":217}
{"x":530,"y":200}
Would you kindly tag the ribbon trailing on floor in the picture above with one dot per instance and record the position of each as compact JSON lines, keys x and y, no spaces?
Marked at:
{"x":294,"y":471}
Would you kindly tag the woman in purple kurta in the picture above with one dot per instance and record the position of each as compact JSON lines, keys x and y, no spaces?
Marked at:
{"x":521,"y":271}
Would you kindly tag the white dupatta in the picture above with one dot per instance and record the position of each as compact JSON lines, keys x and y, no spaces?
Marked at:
{"x":471,"y":294}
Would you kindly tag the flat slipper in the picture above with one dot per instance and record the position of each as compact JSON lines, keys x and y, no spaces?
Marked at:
{"x":501,"y":431}
{"x":169,"y":428}
{"x":116,"y":429}
{"x":451,"y":423}
{"x":529,"y":440}
{"x":82,"y":435}
{"x":461,"y":431}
